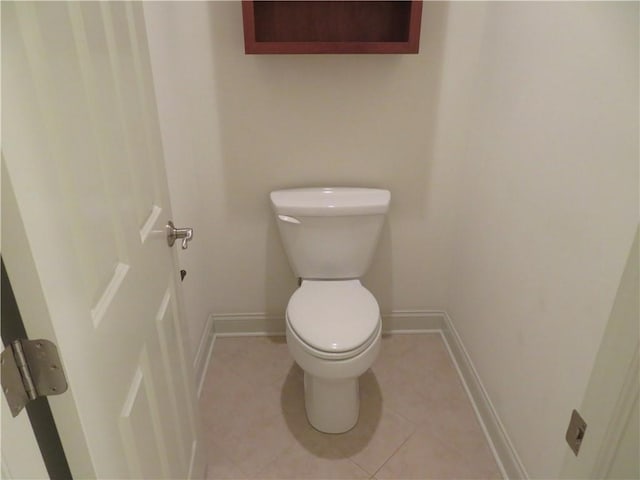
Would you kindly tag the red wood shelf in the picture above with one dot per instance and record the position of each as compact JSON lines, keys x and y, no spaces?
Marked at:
{"x":335,"y":26}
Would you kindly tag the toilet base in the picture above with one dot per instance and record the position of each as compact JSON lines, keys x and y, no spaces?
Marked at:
{"x":332,"y":405}
{"x":331,"y":387}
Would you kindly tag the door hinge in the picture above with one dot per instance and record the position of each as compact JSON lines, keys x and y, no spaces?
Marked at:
{"x":30,"y":369}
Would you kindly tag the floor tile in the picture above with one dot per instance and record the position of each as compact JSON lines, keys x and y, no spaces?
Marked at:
{"x":377,"y":435}
{"x":416,"y":420}
{"x":220,"y":466}
{"x":399,"y":392}
{"x":225,"y":348}
{"x":430,"y":454}
{"x":396,"y":346}
{"x":298,"y":463}
{"x":236,"y":405}
{"x":262,"y":361}
{"x":449,"y":444}
{"x":253,"y":448}
{"x":380,"y":440}
{"x":420,"y":377}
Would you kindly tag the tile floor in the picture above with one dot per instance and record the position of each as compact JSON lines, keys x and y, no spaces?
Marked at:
{"x":416,"y":421}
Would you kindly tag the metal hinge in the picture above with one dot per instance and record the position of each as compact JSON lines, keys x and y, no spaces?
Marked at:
{"x":31,"y":369}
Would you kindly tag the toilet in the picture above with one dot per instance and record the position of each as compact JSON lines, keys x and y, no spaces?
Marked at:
{"x":333,"y":322}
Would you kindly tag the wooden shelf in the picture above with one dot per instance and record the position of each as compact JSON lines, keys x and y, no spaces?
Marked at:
{"x":335,"y":26}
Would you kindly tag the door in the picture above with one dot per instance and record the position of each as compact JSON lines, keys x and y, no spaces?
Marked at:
{"x":20,"y":456}
{"x":31,"y":452}
{"x":82,"y":153}
{"x":610,"y":405}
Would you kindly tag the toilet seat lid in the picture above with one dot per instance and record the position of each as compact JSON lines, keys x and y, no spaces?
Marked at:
{"x":333,"y":316}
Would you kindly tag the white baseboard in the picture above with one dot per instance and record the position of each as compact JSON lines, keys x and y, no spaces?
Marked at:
{"x":503,"y":450}
{"x":412,"y":321}
{"x":248,"y":324}
{"x":398,"y":322}
{"x":258,"y":324}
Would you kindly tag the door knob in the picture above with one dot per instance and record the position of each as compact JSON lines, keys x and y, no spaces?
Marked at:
{"x":173,"y":233}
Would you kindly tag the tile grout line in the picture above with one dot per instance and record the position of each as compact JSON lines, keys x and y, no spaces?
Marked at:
{"x":369,"y":475}
{"x":396,"y":450}
{"x":225,"y":363}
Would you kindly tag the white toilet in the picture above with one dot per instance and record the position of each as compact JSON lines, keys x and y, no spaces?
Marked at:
{"x":333,"y":322}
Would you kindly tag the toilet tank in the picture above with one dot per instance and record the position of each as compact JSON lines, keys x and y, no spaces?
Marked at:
{"x":330,"y":233}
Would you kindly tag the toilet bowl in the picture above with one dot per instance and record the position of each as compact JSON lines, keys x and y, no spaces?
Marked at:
{"x":333,"y":321}
{"x":333,"y":333}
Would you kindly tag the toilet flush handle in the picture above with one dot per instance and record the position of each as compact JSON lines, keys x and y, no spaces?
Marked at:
{"x":288,"y":219}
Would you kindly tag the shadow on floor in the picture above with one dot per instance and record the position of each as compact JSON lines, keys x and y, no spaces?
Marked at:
{"x":326,"y":445}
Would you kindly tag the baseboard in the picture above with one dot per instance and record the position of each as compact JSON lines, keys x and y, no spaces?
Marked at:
{"x":506,"y":455}
{"x":203,"y":354}
{"x":412,"y":321}
{"x":258,"y":324}
{"x":248,"y":324}
{"x":401,"y":322}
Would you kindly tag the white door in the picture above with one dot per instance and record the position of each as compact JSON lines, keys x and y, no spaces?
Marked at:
{"x":20,"y":454}
{"x":610,"y":407}
{"x":82,"y":152}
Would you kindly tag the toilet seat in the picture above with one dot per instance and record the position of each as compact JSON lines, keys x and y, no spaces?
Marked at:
{"x":334,"y":319}
{"x":319,"y":354}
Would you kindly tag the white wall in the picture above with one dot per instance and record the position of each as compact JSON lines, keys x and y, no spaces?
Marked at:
{"x":547,"y":209}
{"x":237,"y":126}
{"x":510,"y":147}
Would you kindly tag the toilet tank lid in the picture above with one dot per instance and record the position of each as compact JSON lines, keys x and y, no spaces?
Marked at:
{"x":331,"y":201}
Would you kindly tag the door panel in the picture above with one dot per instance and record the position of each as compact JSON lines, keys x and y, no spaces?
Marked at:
{"x":82,"y":150}
{"x":170,"y":382}
{"x":143,"y":453}
{"x":610,"y":401}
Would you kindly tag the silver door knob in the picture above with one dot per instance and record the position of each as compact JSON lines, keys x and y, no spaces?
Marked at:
{"x":173,"y":233}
